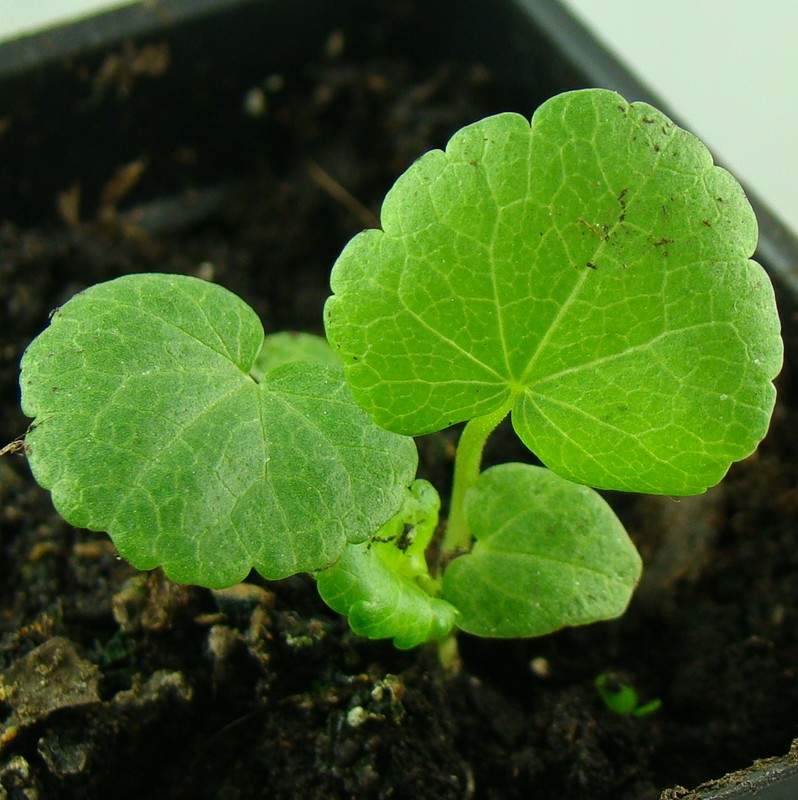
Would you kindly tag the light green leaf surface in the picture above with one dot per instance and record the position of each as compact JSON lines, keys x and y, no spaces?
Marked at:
{"x":148,"y":425}
{"x":592,"y":271}
{"x":380,"y":603}
{"x":286,"y":347}
{"x":548,"y":554}
{"x":375,"y":584}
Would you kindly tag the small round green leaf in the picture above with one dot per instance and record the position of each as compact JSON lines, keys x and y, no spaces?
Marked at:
{"x":548,"y":554}
{"x":148,"y":425}
{"x":590,"y":269}
{"x":286,"y":347}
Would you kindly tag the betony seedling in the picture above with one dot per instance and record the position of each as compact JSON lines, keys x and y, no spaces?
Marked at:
{"x":622,"y":698}
{"x":587,"y":274}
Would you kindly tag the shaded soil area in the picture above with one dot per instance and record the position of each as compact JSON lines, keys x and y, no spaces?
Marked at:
{"x":119,"y":684}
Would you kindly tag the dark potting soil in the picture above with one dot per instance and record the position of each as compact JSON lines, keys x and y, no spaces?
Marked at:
{"x":115,"y":683}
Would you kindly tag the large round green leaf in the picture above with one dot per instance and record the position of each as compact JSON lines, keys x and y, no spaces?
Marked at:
{"x":590,"y":270}
{"x":149,"y":425}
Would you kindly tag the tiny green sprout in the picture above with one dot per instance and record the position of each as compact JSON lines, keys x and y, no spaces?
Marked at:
{"x":587,"y":273}
{"x":622,"y":698}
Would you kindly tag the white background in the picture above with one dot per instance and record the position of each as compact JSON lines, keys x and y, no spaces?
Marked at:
{"x":729,"y":68}
{"x":22,"y":16}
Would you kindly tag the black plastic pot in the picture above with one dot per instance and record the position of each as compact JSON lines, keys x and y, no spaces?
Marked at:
{"x":773,"y":779}
{"x":59,"y":94}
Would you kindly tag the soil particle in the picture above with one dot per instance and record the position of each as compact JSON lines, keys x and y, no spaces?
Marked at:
{"x":49,"y":678}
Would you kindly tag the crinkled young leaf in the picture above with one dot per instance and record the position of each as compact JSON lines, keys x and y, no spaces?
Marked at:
{"x":148,"y":425}
{"x":375,"y":584}
{"x":548,"y":554}
{"x":592,"y":271}
{"x":380,"y":603}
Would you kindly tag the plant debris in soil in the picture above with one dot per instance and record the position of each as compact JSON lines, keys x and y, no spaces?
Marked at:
{"x":115,"y":683}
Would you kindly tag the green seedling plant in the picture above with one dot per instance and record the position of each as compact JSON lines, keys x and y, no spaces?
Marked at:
{"x":587,"y":274}
{"x":622,"y":698}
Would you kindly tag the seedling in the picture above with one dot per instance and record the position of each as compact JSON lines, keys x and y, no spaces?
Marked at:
{"x":587,"y":274}
{"x":622,"y":698}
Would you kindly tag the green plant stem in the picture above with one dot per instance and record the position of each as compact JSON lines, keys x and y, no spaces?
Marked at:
{"x":449,"y":655}
{"x":467,"y":465}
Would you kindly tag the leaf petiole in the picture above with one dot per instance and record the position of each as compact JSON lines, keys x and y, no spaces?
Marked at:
{"x":467,"y":465}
